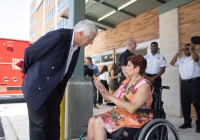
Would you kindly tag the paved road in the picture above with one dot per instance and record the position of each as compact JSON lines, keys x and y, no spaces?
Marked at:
{"x":14,"y":118}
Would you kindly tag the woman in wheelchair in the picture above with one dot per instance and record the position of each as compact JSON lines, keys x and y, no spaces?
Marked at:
{"x":134,"y":92}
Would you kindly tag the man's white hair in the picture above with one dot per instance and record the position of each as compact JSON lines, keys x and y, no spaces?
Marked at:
{"x":86,"y":26}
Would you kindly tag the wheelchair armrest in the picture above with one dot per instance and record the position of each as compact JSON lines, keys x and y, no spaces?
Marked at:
{"x":164,"y":87}
{"x":145,"y":110}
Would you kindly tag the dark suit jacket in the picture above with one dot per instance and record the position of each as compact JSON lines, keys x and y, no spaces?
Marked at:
{"x":44,"y":65}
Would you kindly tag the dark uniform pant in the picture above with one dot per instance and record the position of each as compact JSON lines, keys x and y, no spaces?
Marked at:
{"x":44,"y":123}
{"x":157,"y":84}
{"x":100,"y":98}
{"x":190,"y":93}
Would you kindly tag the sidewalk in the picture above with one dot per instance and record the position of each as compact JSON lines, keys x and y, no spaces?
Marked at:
{"x":14,"y":119}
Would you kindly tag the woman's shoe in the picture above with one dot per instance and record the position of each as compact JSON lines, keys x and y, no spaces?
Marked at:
{"x":96,"y":107}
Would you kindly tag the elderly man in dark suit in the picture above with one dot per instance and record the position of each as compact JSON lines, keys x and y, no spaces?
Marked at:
{"x":48,"y":65}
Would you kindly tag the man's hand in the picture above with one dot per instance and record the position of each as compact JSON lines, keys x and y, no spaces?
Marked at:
{"x":151,"y":79}
{"x":192,"y":47}
{"x":100,"y":87}
{"x":180,"y":51}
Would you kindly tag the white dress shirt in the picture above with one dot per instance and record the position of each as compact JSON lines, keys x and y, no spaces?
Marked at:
{"x":105,"y":76}
{"x":71,"y":52}
{"x":154,"y":63}
{"x":188,"y":68}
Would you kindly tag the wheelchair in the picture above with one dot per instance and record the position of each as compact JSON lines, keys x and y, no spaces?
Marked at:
{"x":157,"y":129}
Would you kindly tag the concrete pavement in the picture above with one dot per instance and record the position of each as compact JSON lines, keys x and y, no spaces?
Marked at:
{"x":15,"y":123}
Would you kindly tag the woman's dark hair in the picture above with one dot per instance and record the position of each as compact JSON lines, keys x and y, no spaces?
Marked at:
{"x":105,"y":68}
{"x":138,"y":60}
{"x":115,"y":68}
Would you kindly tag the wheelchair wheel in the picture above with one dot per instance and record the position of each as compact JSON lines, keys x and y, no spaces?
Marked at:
{"x":83,"y":136}
{"x":159,"y":129}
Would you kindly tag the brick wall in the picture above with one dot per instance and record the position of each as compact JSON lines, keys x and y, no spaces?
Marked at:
{"x":189,"y":22}
{"x":142,"y":28}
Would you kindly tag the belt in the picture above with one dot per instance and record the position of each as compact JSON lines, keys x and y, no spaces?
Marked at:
{"x":190,"y":80}
{"x":151,"y":75}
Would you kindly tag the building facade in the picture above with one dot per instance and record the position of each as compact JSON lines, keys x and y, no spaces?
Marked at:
{"x":171,"y":25}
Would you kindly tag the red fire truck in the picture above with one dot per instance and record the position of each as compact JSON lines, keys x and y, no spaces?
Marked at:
{"x":11,"y":52}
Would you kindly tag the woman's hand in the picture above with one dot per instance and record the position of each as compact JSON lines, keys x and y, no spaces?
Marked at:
{"x":100,"y":87}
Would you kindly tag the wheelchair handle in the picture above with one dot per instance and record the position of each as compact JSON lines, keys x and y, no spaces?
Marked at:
{"x":160,"y":94}
{"x":164,"y":87}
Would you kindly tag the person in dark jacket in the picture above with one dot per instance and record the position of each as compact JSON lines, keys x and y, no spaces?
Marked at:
{"x":130,"y":47}
{"x":87,"y":71}
{"x":48,"y":65}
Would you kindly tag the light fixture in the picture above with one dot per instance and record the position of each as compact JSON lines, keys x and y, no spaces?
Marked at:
{"x":105,"y":16}
{"x":86,"y":1}
{"x":126,"y":4}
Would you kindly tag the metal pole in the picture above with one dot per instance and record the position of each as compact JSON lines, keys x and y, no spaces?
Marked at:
{"x":62,"y":118}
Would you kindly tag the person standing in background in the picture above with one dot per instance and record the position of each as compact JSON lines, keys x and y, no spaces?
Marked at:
{"x":96,"y":73}
{"x":189,"y":69}
{"x":113,"y":85}
{"x":87,"y":71}
{"x":130,"y":47}
{"x":104,"y":79}
{"x":156,"y":65}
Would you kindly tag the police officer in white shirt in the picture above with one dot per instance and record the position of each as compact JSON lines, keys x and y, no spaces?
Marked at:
{"x":189,"y":68}
{"x":156,"y":65}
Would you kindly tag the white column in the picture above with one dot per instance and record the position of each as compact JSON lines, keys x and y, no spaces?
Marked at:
{"x":169,"y":45}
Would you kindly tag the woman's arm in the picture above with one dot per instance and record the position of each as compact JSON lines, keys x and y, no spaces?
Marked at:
{"x":112,"y":75}
{"x":140,"y":97}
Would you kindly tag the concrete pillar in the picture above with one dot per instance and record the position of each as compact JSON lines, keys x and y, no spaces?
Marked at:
{"x":79,"y":95}
{"x":169,"y":45}
{"x":78,"y":106}
{"x":76,"y":14}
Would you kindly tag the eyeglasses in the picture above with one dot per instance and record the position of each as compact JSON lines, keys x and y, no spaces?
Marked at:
{"x":186,"y":49}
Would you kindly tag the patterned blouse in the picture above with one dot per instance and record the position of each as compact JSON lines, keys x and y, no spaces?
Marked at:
{"x":117,"y":117}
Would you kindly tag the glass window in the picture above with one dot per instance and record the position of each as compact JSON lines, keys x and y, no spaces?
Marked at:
{"x":106,"y":57}
{"x":14,"y":79}
{"x":6,"y":79}
{"x":96,"y":59}
{"x":103,"y":57}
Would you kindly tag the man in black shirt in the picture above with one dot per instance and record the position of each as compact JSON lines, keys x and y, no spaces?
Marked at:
{"x":130,"y":47}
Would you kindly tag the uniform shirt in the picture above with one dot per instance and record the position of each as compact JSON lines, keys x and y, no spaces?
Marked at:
{"x":154,"y":63}
{"x":123,"y":59}
{"x":105,"y":76}
{"x":71,"y":52}
{"x":188,"y":68}
{"x":95,"y":68}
